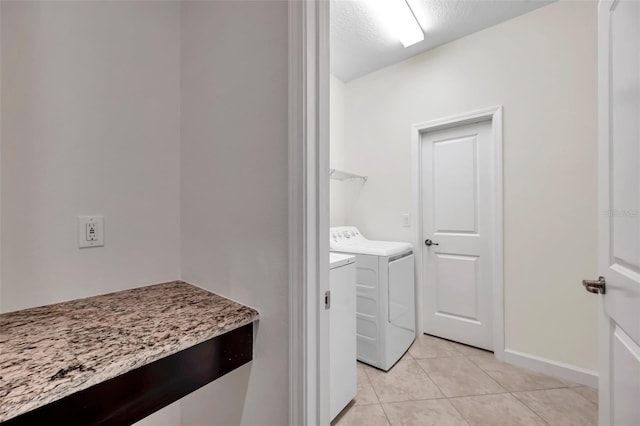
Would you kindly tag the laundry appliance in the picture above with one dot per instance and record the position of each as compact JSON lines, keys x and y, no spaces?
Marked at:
{"x":385,"y":295}
{"x":342,"y":332}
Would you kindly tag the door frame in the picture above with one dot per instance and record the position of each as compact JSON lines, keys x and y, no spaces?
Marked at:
{"x":604,"y":327}
{"x":308,"y":211}
{"x":493,"y":114}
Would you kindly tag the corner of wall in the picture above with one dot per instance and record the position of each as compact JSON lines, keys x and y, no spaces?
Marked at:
{"x":336,"y":155}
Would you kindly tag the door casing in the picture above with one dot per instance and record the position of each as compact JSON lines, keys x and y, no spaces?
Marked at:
{"x":308,"y":213}
{"x":493,"y":114}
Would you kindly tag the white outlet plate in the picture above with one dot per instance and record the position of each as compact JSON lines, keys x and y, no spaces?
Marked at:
{"x":406,"y":220}
{"x":90,"y":231}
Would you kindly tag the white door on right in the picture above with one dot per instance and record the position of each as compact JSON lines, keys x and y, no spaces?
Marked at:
{"x":457,"y":194}
{"x":619,"y":205}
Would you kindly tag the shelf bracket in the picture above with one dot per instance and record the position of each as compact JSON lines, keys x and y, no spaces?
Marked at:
{"x":340,"y":175}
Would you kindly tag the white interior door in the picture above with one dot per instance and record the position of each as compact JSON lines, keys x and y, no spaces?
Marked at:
{"x":457,"y":231}
{"x":619,"y":203}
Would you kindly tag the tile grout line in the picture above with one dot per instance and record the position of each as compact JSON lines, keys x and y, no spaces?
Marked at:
{"x":456,"y":353}
{"x":385,"y":414}
{"x":526,"y":371}
{"x":461,"y":396}
{"x":410,"y":400}
{"x":459,"y":412}
{"x":582,"y":396}
{"x":514,"y":393}
{"x":487,"y":374}
{"x":375,"y":392}
{"x":432,"y":381}
{"x":445,"y":396}
{"x":506,"y":392}
{"x":530,"y":408}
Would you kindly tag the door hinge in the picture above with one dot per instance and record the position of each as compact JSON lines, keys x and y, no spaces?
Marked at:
{"x":327,"y":299}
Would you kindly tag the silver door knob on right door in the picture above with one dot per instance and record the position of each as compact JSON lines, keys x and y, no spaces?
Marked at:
{"x":598,"y":286}
{"x":430,"y":243}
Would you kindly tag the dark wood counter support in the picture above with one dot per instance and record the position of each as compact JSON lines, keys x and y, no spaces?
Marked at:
{"x":118,"y":357}
{"x":132,"y":396}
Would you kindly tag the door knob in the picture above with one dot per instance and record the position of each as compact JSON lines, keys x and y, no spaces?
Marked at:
{"x":598,"y":286}
{"x":430,"y":243}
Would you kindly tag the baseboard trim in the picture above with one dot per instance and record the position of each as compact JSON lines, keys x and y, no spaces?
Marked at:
{"x":552,"y":368}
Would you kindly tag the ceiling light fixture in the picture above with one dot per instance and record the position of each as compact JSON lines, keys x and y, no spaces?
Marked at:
{"x":400,"y":19}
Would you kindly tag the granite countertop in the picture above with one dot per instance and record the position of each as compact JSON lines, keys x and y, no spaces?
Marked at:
{"x":49,"y":352}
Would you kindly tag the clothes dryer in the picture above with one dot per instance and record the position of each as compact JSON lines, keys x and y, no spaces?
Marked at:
{"x":385,"y":295}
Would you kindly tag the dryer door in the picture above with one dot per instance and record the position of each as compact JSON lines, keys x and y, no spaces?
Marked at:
{"x":402,"y":292}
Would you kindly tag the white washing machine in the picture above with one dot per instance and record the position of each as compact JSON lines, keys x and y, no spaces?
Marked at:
{"x":342,"y":332}
{"x":385,"y":295}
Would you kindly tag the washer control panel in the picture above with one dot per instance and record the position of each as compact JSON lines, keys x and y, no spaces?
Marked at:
{"x":344,"y":235}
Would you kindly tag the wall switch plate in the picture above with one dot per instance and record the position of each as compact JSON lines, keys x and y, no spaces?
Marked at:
{"x":406,"y":220}
{"x":90,"y":231}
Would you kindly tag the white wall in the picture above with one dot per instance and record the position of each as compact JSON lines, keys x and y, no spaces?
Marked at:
{"x":542,"y":68}
{"x":91,"y":107}
{"x":336,"y":151}
{"x":90,"y":113}
{"x":234,"y":192}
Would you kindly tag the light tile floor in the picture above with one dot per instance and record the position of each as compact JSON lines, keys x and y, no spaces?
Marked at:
{"x":440,"y":383}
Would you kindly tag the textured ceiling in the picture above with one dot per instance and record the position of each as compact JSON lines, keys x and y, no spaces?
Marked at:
{"x":361,"y":43}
